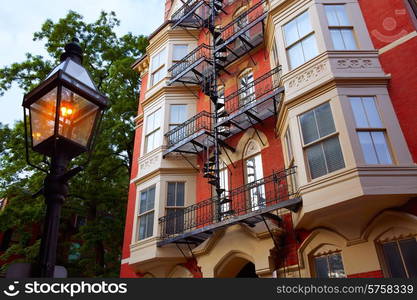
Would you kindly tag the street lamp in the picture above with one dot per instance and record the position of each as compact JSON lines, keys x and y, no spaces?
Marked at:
{"x":64,"y":111}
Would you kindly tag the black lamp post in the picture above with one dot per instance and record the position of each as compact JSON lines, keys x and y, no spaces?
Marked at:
{"x":64,"y":112}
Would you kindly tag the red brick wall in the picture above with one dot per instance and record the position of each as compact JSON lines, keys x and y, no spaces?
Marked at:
{"x":125,"y":272}
{"x":387,"y":21}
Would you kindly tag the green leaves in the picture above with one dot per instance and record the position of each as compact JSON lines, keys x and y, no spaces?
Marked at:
{"x":100,"y":192}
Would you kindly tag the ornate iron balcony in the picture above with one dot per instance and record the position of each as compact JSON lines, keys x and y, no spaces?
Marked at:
{"x":192,"y":132}
{"x":247,"y":204}
{"x":253,"y":103}
{"x":243,"y":34}
{"x":193,"y":67}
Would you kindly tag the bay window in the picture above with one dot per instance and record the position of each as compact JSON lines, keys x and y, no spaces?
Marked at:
{"x":371,"y":133}
{"x":175,"y":207}
{"x":179,"y":51}
{"x":300,"y":41}
{"x":153,"y":131}
{"x":146,"y":213}
{"x":321,"y":141}
{"x":158,"y":70}
{"x":341,"y":30}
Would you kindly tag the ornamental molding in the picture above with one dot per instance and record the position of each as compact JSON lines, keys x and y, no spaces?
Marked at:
{"x":149,"y":163}
{"x":355,"y":63}
{"x":309,"y":75}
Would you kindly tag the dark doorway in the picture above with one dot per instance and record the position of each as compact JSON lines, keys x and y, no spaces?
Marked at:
{"x":248,"y":271}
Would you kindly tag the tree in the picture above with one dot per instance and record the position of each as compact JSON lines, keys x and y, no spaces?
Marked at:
{"x":100,"y":192}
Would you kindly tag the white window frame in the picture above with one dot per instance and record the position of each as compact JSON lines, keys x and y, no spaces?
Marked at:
{"x":146,"y":214}
{"x":177,"y":60}
{"x":172,"y":124}
{"x":371,"y":129}
{"x":154,"y":132}
{"x":175,"y":207}
{"x":319,"y":141}
{"x":341,"y":28}
{"x":158,"y":63}
{"x":299,"y":41}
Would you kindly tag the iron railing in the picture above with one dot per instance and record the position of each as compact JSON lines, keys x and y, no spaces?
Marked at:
{"x":190,"y":7}
{"x":261,"y":87}
{"x":244,"y":24}
{"x":248,"y":199}
{"x":191,"y":60}
{"x":201,"y":121}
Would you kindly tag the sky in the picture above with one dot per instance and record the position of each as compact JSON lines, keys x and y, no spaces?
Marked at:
{"x":19,"y":19}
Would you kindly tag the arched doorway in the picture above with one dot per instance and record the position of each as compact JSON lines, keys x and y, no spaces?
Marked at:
{"x":248,"y":271}
{"x":235,"y":265}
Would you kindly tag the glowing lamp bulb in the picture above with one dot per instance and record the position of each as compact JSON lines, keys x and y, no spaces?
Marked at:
{"x":66,"y":111}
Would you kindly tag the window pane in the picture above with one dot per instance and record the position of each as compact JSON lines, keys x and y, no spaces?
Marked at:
{"x":309,"y":48}
{"x":142,"y":227}
{"x":409,"y":252}
{"x":336,"y":266}
{"x":324,"y":118}
{"x":333,"y":153}
{"x":393,"y":260}
{"x":171,"y":194}
{"x":381,"y":148}
{"x":337,"y":38}
{"x":368,"y":148}
{"x":349,"y":39}
{"x":336,"y":15}
{"x":179,"y":52}
{"x":151,"y":198}
{"x":149,"y":225}
{"x":143,"y":201}
{"x":291,"y":32}
{"x":359,"y":112}
{"x":331,"y":15}
{"x":304,"y":25}
{"x":295,"y":56}
{"x":322,"y":270}
{"x":309,"y":127}
{"x":372,"y":112}
{"x":180,"y":193}
{"x":316,"y":161}
{"x":178,"y":114}
{"x":342,"y":15}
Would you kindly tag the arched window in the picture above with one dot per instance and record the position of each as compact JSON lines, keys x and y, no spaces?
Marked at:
{"x":253,"y":175}
{"x":247,"y":87}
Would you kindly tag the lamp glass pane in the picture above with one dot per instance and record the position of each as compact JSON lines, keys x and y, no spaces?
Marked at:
{"x":76,"y":117}
{"x":42,"y":117}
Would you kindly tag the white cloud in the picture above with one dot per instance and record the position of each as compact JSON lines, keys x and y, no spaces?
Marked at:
{"x":19,"y":19}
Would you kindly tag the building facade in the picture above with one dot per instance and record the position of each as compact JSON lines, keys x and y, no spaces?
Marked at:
{"x":314,"y":126}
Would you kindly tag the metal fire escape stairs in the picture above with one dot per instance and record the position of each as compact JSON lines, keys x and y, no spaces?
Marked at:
{"x":210,"y":137}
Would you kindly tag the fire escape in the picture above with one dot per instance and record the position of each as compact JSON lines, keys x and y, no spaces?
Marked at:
{"x":206,"y":133}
